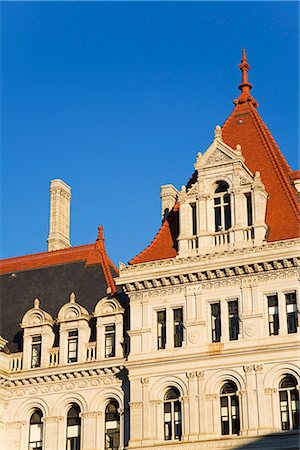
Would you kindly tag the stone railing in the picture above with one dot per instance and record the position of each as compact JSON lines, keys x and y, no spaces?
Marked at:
{"x":193,"y":243}
{"x":221,"y":238}
{"x":54,"y":357}
{"x":91,"y":351}
{"x":16,"y":362}
{"x":249,"y":234}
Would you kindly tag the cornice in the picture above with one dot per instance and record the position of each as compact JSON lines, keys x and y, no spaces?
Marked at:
{"x":215,"y":277}
{"x":267,"y":252}
{"x":102,"y":374}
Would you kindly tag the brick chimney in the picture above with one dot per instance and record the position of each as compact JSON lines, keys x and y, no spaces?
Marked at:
{"x":59,"y":226}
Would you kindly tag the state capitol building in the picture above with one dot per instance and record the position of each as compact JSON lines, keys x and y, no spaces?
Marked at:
{"x":194,"y":344}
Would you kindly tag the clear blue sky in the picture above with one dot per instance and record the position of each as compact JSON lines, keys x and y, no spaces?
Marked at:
{"x":117,"y":99}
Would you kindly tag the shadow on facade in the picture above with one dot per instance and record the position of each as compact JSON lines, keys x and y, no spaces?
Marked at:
{"x":289,"y":440}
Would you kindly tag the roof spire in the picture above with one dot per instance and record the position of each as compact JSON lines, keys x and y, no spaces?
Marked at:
{"x":245,"y":86}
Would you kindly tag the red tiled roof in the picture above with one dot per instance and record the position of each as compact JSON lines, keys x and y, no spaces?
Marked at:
{"x":164,"y":245}
{"x":245,"y":127}
{"x":90,"y":253}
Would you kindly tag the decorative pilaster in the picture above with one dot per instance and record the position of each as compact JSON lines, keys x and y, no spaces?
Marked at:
{"x":53,"y":432}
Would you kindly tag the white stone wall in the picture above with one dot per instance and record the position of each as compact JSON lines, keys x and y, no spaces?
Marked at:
{"x":256,"y":362}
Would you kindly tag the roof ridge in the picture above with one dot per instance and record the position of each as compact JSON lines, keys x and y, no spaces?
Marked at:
{"x":46,"y":254}
{"x":267,"y":136}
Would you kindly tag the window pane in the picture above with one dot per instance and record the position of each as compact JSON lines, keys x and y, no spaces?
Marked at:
{"x":161,"y":329}
{"x":178,"y":327}
{"x":216,"y":322}
{"x":233,"y":320}
{"x":218,"y":222}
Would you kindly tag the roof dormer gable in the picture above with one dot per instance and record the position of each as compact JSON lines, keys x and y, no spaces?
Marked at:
{"x":220,"y":154}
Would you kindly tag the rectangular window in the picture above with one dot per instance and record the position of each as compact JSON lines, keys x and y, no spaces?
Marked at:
{"x":73,"y":346}
{"x":178,"y":327}
{"x":233,"y":315}
{"x":110,"y":341}
{"x":291,"y":312}
{"x":194,"y":219}
{"x":216,"y":322}
{"x":249,"y":209}
{"x":273,"y":314}
{"x":161,"y":329}
{"x":36,"y":348}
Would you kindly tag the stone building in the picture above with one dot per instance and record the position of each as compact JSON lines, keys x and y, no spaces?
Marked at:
{"x":193,"y":344}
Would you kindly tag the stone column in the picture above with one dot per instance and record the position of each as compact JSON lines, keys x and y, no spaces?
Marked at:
{"x":201,"y":402}
{"x":185,"y":417}
{"x":54,"y":435}
{"x":262,"y":412}
{"x":136,"y":419}
{"x":250,"y":409}
{"x":15,"y":435}
{"x":145,"y":412}
{"x":89,"y":429}
{"x":121,"y":413}
{"x":193,"y":411}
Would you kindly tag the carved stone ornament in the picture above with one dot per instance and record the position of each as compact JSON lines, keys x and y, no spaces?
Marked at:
{"x":136,"y":405}
{"x":217,"y":157}
{"x":155,"y":402}
{"x":212,"y":396}
{"x":270,"y":391}
{"x":190,"y":375}
{"x":53,"y":419}
{"x":91,"y":414}
{"x":194,"y":337}
{"x":17,"y":424}
{"x":250,"y":330}
{"x":248,"y":369}
{"x":145,"y":381}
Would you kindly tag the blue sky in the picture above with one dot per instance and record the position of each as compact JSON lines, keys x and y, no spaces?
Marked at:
{"x":117,"y":98}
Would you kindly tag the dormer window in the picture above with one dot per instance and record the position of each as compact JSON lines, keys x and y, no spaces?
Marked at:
{"x":36,"y":348}
{"x":222,"y":207}
{"x":72,"y":346}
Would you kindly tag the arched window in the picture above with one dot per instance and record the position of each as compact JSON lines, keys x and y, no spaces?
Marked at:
{"x":172,"y":415}
{"x":222,"y":207}
{"x":36,"y":430}
{"x":289,"y":403}
{"x":112,"y":426}
{"x":73,"y":428}
{"x":229,"y":404}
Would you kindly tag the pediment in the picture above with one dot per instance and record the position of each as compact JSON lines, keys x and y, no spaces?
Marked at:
{"x":218,"y":153}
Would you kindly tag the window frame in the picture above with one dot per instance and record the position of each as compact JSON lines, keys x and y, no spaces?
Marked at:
{"x":36,"y":346}
{"x":161,"y":331}
{"x":292,"y":319}
{"x":292,"y":414}
{"x":73,"y":339}
{"x":229,"y":407}
{"x":175,"y":406}
{"x":110,"y":334}
{"x":41,"y":431}
{"x":273,"y":318}
{"x":178,"y":328}
{"x":115,"y":435}
{"x":216,"y":331}
{"x":73,"y":442}
{"x":234,"y":321}
{"x":222,"y":208}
